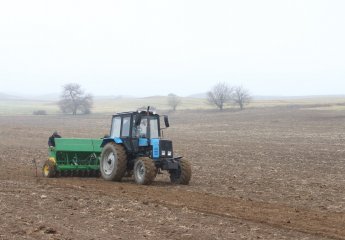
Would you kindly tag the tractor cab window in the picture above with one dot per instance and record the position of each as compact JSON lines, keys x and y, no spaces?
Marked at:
{"x":126,"y":124}
{"x":154,"y":133}
{"x":116,"y":127}
{"x":143,"y":128}
{"x":142,"y":131}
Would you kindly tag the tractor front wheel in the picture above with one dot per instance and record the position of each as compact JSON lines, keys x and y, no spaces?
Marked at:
{"x":113,"y":163}
{"x":183,"y":174}
{"x":49,"y":169}
{"x":144,"y":171}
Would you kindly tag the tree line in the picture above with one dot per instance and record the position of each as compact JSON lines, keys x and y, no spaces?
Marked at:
{"x":220,"y":95}
{"x":74,"y":100}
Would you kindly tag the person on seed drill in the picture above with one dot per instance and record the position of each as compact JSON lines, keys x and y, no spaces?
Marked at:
{"x":51,"y":141}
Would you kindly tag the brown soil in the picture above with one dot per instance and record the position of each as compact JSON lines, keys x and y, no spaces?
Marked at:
{"x":257,"y":174}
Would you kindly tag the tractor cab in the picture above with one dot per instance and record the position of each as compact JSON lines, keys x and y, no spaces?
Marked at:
{"x":137,"y":131}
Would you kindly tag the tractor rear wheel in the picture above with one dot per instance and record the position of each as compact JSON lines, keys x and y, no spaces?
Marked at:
{"x":113,"y":163}
{"x":183,"y":174}
{"x":144,"y":171}
{"x":49,"y":169}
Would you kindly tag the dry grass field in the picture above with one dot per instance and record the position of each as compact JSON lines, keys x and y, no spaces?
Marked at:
{"x":264,"y":173}
{"x":111,"y":105}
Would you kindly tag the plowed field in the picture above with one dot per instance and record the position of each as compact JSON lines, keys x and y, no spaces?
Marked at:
{"x":258,"y":174}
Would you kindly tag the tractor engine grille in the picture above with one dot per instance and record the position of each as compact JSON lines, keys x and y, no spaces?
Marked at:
{"x":166,"y":149}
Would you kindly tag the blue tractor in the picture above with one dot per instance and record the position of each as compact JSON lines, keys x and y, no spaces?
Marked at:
{"x":136,"y":146}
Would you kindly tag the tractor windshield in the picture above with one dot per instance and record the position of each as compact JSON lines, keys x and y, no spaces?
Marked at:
{"x":143,"y":127}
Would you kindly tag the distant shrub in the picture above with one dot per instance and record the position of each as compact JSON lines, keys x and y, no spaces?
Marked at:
{"x":86,"y":111}
{"x":40,"y":112}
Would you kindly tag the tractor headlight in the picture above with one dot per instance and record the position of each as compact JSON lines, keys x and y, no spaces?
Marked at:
{"x":163,"y":153}
{"x":169,"y":153}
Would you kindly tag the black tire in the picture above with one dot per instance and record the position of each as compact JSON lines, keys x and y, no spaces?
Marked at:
{"x":183,"y":174}
{"x":144,"y":171}
{"x":49,"y":169}
{"x":113,"y":163}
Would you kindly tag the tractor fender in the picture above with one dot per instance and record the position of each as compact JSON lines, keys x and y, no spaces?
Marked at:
{"x":108,"y":140}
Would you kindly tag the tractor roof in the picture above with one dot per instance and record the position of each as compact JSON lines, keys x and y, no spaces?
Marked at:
{"x":144,"y":113}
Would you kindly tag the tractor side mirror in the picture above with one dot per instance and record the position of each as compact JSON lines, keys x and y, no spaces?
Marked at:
{"x":138,"y":120}
{"x":166,"y":121}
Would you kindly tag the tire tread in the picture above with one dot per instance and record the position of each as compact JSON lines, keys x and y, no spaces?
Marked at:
{"x":150,"y":170}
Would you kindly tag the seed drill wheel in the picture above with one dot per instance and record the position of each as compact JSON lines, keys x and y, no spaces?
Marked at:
{"x":144,"y":171}
{"x":183,"y":174}
{"x":113,"y":162}
{"x":48,"y":169}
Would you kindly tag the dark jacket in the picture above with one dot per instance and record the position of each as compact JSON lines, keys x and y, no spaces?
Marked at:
{"x":51,"y":141}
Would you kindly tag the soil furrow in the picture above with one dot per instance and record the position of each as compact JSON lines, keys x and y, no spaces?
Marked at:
{"x":310,"y":221}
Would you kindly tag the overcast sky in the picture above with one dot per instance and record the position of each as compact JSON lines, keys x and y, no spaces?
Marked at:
{"x":128,"y":47}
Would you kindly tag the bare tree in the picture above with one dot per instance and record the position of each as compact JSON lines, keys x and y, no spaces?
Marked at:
{"x":241,"y":97}
{"x":73,"y":99}
{"x":173,"y":101}
{"x":219,"y":95}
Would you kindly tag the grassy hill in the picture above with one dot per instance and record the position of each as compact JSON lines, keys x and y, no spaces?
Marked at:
{"x":101,"y":105}
{"x":4,"y":96}
{"x":112,"y":104}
